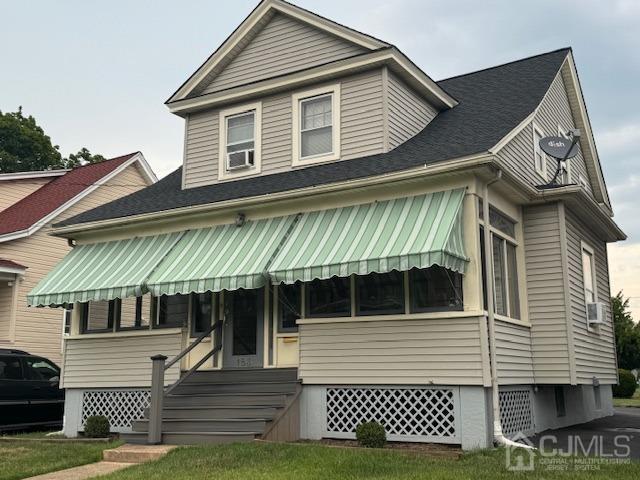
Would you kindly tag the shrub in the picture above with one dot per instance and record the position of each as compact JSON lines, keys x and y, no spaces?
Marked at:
{"x":371,"y":435}
{"x":97,"y":426}
{"x":626,"y":385}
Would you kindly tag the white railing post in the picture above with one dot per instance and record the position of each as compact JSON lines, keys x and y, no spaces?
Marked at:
{"x":157,"y":394}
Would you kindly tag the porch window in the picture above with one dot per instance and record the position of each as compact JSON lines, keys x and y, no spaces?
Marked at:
{"x":380,"y":293}
{"x":99,"y":317}
{"x":135,"y":313}
{"x":201,"y":312}
{"x":329,"y":298}
{"x":289,"y":306}
{"x":170,"y":311}
{"x":435,"y":289}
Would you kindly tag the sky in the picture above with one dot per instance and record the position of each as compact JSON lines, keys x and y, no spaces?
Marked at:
{"x":96,"y":74}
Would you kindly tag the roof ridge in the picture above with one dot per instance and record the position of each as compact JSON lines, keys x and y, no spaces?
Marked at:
{"x":102,"y":162}
{"x":531,"y":57}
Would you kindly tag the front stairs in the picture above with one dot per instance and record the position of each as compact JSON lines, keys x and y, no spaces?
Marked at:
{"x":222,"y":406}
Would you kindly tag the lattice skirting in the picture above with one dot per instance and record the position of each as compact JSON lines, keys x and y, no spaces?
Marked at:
{"x":408,"y":414}
{"x":121,"y":407}
{"x":516,"y":411}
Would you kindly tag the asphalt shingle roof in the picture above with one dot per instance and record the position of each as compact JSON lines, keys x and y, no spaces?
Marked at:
{"x":492,"y":103}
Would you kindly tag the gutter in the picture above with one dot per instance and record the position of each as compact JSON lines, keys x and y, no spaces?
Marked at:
{"x":498,"y":436}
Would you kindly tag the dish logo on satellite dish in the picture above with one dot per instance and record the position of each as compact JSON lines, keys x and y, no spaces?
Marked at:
{"x":556,"y":143}
{"x":559,"y":148}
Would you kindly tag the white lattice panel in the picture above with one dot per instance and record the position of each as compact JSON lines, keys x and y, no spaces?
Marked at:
{"x":408,"y":414}
{"x":516,"y":411}
{"x":121,"y":407}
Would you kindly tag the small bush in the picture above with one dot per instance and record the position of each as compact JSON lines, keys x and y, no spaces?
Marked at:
{"x":371,"y":435}
{"x":626,"y":386}
{"x":97,"y":426}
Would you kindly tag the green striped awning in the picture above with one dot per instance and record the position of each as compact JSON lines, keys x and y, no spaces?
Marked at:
{"x":103,"y":271}
{"x":224,"y":257}
{"x":397,"y":234}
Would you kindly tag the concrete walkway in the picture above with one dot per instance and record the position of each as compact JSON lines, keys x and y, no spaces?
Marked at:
{"x":114,"y":459}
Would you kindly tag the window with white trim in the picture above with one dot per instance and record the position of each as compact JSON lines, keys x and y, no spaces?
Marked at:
{"x":316,"y":125}
{"x":588,"y":274}
{"x":539,"y":157}
{"x":564,"y":177}
{"x":240,"y":131}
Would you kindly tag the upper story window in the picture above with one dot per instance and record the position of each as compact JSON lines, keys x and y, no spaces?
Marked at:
{"x":316,"y":125}
{"x":539,"y":157}
{"x":240,"y":141}
{"x":588,"y":273}
{"x":565,"y":169}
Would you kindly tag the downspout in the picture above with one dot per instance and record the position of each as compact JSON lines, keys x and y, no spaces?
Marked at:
{"x":498,"y":436}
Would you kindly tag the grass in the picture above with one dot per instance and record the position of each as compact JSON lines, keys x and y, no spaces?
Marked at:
{"x":628,"y":402}
{"x":22,"y":459}
{"x":310,"y":462}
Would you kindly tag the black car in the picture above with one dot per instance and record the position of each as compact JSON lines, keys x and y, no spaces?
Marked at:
{"x":29,"y":391}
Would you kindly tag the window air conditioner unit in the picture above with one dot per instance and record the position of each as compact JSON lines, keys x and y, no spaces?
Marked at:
{"x":595,"y":313}
{"x":240,"y":160}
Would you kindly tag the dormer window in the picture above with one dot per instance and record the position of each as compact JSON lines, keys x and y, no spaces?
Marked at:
{"x":240,"y":132}
{"x":316,"y":125}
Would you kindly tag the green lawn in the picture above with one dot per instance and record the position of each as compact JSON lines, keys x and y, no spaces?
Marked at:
{"x":22,"y":459}
{"x":628,"y":402}
{"x":304,"y":462}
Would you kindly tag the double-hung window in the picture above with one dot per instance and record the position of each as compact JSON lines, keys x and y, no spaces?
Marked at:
{"x":316,"y":125}
{"x":240,"y":132}
{"x":539,"y":157}
{"x":588,"y":274}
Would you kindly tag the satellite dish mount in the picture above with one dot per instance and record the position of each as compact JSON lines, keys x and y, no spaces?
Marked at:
{"x":562,"y":149}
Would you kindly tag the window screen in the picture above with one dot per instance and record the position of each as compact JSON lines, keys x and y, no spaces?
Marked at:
{"x":329,"y":298}
{"x":435,"y":288}
{"x":201,"y":312}
{"x":289,"y":306}
{"x":380,"y":293}
{"x":171,"y":311}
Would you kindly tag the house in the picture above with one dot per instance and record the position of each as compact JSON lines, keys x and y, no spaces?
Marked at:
{"x":348,"y":240}
{"x":30,"y":202}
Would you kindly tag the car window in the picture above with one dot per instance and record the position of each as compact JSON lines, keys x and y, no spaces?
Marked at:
{"x":10,"y":368}
{"x":40,"y":369}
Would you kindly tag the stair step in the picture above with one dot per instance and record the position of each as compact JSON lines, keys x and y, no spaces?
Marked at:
{"x":194,"y":438}
{"x":244,"y":375}
{"x":224,"y":399}
{"x":135,"y":438}
{"x":205,"y":425}
{"x":253,"y":387}
{"x":217,"y":412}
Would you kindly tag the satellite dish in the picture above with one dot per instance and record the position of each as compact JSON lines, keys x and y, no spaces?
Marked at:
{"x":559,"y":147}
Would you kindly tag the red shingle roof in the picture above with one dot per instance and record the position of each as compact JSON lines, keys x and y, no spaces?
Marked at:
{"x":36,"y":206}
{"x":9,"y":264}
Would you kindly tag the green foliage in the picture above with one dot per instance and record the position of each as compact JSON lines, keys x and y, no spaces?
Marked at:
{"x":24,"y":147}
{"x":97,"y":426}
{"x":371,"y":435}
{"x":627,"y":333}
{"x":626,"y":385}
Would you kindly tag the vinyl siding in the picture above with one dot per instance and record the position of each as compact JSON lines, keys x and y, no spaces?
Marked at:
{"x":414,"y":352}
{"x":546,"y":293}
{"x":39,"y":330}
{"x":117,"y":362}
{"x":513,"y":354}
{"x":13,"y":190}
{"x":408,"y":113}
{"x":362,"y":130}
{"x":282,"y":46}
{"x":554,"y":110}
{"x":594,"y":352}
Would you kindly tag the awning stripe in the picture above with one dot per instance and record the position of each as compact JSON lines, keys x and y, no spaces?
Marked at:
{"x":224,"y":257}
{"x":103,"y":271}
{"x":397,"y":234}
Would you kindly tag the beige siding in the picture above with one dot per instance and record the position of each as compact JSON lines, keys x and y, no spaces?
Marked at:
{"x":117,"y":362}
{"x":39,"y":330}
{"x":546,"y":293}
{"x":284,"y":45}
{"x":408,"y":113}
{"x":518,"y":153}
{"x":362,"y":130}
{"x":13,"y":190}
{"x":594,"y":351}
{"x":513,"y":351}
{"x":416,"y":352}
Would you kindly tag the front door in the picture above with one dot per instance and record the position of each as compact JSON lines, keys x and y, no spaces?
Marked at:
{"x":243,"y":328}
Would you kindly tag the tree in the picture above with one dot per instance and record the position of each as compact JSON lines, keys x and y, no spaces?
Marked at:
{"x":627,"y":333}
{"x":24,"y":146}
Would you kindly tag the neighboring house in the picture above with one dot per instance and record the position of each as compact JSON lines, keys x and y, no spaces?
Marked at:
{"x":322,"y":256}
{"x":30,"y":202}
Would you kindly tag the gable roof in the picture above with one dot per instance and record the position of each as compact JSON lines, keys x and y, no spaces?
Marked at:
{"x":29,"y":214}
{"x":493,"y":102}
{"x":251,"y":26}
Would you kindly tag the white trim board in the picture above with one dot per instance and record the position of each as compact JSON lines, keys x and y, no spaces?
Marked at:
{"x":30,"y":175}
